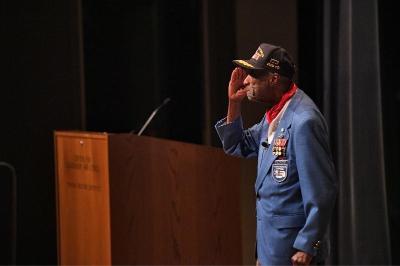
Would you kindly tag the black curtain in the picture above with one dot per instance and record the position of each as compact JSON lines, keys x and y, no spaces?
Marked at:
{"x":390,"y":57}
{"x":352,"y":105}
{"x":138,"y":53}
{"x":41,"y":91}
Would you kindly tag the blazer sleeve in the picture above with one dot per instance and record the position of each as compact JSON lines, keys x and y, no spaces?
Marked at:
{"x":317,"y":181}
{"x":237,"y":141}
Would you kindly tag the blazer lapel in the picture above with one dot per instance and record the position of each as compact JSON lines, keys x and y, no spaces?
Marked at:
{"x":281,"y":131}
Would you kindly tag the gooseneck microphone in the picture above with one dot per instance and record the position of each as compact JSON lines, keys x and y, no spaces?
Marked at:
{"x":152,"y":116}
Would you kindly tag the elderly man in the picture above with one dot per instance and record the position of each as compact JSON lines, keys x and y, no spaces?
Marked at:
{"x":296,"y":185}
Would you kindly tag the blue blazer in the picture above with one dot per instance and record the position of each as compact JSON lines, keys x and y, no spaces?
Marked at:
{"x":296,"y":193}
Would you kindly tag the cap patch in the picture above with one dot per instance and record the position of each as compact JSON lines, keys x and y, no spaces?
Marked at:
{"x":259,"y":53}
{"x":273,"y":63}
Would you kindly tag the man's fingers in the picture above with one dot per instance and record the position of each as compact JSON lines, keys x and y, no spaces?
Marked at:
{"x":235,"y":73}
{"x":237,"y":89}
{"x":242,"y":74}
{"x":299,"y":260}
{"x":242,"y":92}
{"x":298,"y":263}
{"x":238,"y":74}
{"x":239,"y":95}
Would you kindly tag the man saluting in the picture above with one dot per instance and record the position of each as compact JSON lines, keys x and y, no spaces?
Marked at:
{"x":296,"y":184}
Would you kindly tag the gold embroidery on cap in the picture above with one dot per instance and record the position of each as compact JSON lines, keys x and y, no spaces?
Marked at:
{"x":273,"y":63}
{"x":259,"y":53}
{"x":244,"y":63}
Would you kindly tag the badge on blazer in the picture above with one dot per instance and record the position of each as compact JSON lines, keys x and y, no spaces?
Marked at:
{"x":279,"y":148}
{"x":279,"y":170}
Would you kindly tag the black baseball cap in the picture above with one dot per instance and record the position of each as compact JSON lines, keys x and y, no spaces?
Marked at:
{"x":269,"y":58}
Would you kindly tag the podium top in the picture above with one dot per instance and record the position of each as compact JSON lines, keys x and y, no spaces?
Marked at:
{"x":80,"y":134}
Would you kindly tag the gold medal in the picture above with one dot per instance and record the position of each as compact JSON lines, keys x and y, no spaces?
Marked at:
{"x":279,"y":148}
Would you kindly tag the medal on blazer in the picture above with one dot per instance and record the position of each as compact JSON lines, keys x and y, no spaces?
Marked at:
{"x":279,"y":148}
{"x":280,"y":166}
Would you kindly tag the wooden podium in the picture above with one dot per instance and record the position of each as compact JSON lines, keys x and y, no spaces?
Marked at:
{"x":124,"y":199}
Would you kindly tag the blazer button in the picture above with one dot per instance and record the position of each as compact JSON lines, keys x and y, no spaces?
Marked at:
{"x":317,"y":245}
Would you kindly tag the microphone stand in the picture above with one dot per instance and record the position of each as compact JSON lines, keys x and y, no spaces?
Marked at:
{"x":152,"y":116}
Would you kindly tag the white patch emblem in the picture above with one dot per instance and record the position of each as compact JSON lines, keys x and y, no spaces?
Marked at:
{"x":279,"y":170}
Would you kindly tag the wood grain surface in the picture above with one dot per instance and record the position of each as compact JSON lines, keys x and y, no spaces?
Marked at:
{"x":84,"y":236}
{"x":129,"y":200}
{"x":173,"y":203}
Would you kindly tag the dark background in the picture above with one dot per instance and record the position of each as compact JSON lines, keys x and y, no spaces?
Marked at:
{"x":105,"y":65}
{"x":390,"y":68}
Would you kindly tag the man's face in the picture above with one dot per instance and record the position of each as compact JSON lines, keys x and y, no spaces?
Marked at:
{"x":260,"y":89}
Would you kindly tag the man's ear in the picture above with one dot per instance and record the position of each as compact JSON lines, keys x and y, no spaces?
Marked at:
{"x":274,"y":79}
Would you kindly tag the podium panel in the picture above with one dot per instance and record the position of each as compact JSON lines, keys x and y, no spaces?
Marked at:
{"x":83,"y":199}
{"x":124,"y":199}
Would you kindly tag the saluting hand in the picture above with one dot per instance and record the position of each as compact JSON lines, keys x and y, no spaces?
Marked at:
{"x":237,"y":88}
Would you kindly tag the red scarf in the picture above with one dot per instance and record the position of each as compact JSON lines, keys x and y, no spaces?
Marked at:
{"x":274,"y":111}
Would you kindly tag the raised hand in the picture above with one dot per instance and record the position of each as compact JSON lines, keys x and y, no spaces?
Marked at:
{"x":237,"y":87}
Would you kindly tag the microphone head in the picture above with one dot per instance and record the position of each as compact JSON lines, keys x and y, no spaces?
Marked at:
{"x":166,"y":100}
